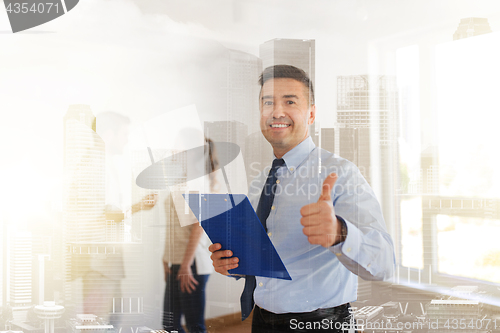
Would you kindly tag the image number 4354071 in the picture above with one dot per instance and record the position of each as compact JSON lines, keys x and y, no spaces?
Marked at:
{"x":26,"y":14}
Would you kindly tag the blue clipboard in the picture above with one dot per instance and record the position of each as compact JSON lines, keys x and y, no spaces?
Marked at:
{"x":229,"y":219}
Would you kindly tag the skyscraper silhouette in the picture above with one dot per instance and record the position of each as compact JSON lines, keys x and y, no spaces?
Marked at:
{"x":296,"y":52}
{"x":367,"y":109}
{"x":364,"y":105}
{"x":328,"y":139}
{"x":84,"y":192}
{"x":241,"y":88}
{"x":472,"y":26}
{"x":20,"y":270}
{"x":84,"y":177}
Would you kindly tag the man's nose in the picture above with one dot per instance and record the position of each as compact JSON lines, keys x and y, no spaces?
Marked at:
{"x":278,"y":111}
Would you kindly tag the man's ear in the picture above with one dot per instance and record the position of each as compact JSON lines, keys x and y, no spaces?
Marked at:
{"x":312,"y":114}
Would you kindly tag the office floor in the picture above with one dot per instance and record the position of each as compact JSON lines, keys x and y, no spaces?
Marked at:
{"x":243,"y":327}
{"x":230,"y":325}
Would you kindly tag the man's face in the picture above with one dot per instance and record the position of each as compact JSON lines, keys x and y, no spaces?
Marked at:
{"x":285,"y":113}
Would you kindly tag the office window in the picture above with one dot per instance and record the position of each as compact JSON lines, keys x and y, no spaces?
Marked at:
{"x":449,"y":187}
{"x":468,"y":108}
{"x":409,"y":143}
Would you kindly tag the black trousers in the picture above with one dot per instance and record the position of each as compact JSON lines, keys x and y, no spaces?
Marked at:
{"x":176,"y":303}
{"x":321,"y":320}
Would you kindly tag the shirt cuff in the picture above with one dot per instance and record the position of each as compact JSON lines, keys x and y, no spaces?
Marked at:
{"x":349,"y":247}
{"x":358,"y":257}
{"x":337,"y":247}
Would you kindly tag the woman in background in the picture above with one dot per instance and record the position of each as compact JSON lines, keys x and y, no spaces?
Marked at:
{"x":187,"y":262}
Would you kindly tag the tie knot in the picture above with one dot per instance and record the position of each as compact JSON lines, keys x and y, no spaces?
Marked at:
{"x":278,"y":163}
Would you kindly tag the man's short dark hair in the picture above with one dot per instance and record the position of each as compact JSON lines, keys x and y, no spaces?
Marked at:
{"x":287,"y":72}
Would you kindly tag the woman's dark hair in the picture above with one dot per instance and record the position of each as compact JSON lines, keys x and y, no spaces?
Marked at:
{"x":212,"y":163}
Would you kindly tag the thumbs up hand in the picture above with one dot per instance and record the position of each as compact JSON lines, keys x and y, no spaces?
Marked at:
{"x":320,"y":223}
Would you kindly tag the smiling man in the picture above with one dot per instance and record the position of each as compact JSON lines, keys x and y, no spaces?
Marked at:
{"x":320,"y":214}
{"x":286,"y":113}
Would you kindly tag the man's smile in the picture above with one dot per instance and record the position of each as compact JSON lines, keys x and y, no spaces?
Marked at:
{"x":279,"y":125}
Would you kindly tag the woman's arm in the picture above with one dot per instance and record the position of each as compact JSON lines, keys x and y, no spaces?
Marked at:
{"x":146,"y":203}
{"x":185,"y":275}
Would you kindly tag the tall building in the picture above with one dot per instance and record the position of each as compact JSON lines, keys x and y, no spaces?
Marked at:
{"x":472,"y":26}
{"x":366,"y":104}
{"x":2,"y":289}
{"x":296,"y":52}
{"x":328,"y":139}
{"x":42,"y":248}
{"x":115,"y":227}
{"x":21,"y":257}
{"x":3,"y":266}
{"x":445,"y":311}
{"x":84,"y":189}
{"x":429,"y":164}
{"x":367,"y":119}
{"x":57,"y":254}
{"x":84,"y":177}
{"x":354,"y":145}
{"x":241,"y":88}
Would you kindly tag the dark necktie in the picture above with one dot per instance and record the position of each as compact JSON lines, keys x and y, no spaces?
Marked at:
{"x":263,"y":210}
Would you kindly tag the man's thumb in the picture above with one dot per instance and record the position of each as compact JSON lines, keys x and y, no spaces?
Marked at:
{"x":328,"y":184}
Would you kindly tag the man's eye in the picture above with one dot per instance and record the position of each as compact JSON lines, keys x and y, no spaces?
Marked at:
{"x":268,"y":103}
{"x":290,"y":102}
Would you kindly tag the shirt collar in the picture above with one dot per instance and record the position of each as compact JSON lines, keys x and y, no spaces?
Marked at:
{"x":298,"y":154}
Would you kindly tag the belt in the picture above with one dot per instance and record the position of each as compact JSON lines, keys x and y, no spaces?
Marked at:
{"x":340,"y":312}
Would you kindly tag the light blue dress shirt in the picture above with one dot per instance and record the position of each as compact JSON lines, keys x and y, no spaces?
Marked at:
{"x":321,"y":277}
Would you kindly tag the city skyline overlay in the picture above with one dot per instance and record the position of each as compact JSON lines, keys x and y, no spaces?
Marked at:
{"x":373,"y":126}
